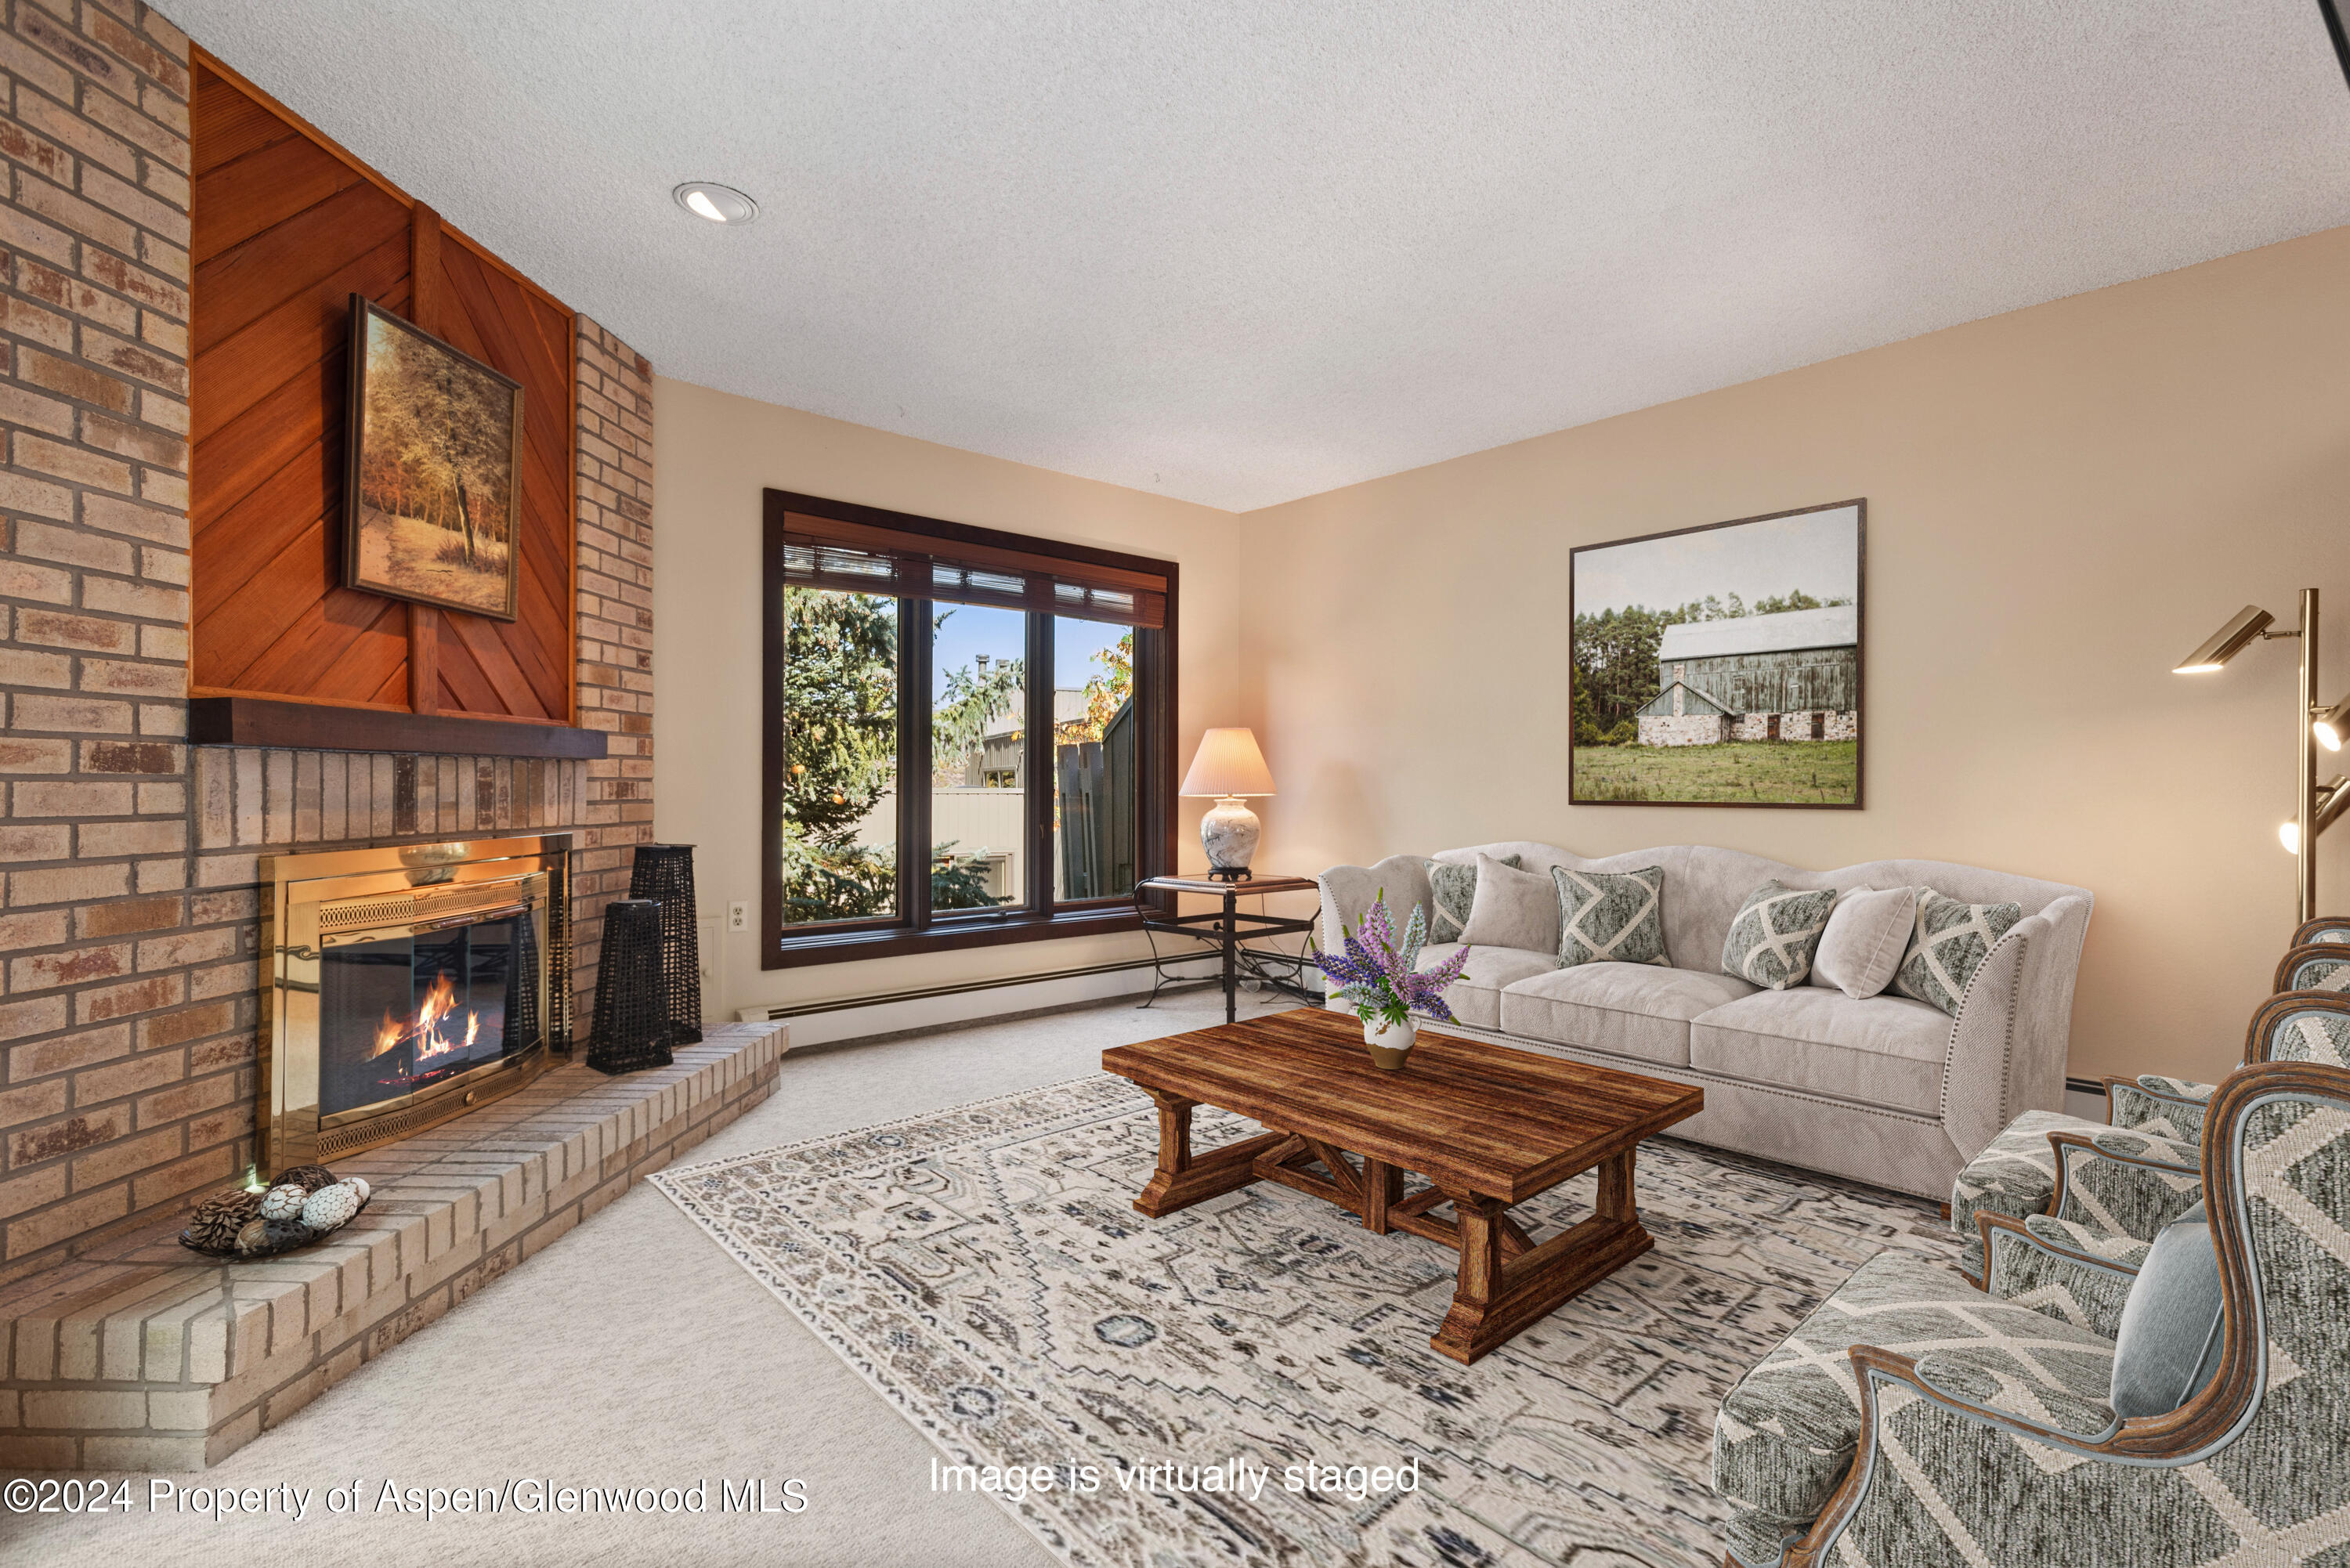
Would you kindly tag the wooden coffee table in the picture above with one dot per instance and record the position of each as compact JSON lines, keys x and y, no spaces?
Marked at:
{"x":1489,"y":1125}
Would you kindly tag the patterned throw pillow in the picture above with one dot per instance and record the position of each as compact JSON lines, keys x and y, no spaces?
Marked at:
{"x":1948,"y":944}
{"x":1776,"y":932}
{"x":1453,"y":889}
{"x":1611,"y":916}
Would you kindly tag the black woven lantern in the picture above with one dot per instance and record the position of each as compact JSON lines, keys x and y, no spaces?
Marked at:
{"x":665,"y":872}
{"x":631,"y":1008}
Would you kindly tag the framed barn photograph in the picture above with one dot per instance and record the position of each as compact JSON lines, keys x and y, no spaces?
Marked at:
{"x":1721,"y":665}
{"x":432,"y":495}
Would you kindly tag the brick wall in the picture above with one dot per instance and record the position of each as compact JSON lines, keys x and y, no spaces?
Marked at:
{"x":129,"y":997}
{"x":616,"y":622}
{"x":112,"y":1097}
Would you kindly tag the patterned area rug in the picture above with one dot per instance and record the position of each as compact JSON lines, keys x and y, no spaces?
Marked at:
{"x":983,"y":1268}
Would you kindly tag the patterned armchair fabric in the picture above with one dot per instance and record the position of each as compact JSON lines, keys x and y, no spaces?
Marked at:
{"x":2118,"y":1202}
{"x":2016,"y":1176}
{"x":2120,"y":1185}
{"x":1955,"y":1468}
{"x":2316,"y":966}
{"x":2325,"y":928}
{"x":2102,"y":1190}
{"x":1786,"y":1435}
{"x":2088,"y":1241}
{"x":2035,"y":1266}
{"x":2168,"y":1107}
{"x":2299,"y":1027}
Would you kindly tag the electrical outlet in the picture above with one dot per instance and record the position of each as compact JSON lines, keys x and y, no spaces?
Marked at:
{"x":738,"y":916}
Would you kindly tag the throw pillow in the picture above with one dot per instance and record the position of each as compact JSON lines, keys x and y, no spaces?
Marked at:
{"x":1867,"y":934}
{"x":1513,"y":908}
{"x":1611,"y":916}
{"x":1947,"y":943}
{"x":2169,"y":1344}
{"x":1773,"y":935}
{"x":1452,"y":892}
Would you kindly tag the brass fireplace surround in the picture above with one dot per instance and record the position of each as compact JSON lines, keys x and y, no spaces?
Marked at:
{"x":366,"y":895}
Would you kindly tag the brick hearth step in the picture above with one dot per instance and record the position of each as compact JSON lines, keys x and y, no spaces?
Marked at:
{"x":143,"y":1356}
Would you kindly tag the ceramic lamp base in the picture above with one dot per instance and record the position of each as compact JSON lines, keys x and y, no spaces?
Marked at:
{"x":1229,"y":832}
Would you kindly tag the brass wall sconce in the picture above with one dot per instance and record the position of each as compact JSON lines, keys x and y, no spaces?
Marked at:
{"x":2318,"y":804}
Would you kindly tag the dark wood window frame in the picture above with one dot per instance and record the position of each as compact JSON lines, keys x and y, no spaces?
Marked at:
{"x":914,"y":929}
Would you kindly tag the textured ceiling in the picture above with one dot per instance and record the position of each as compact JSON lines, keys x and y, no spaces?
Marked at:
{"x":1242,"y":252}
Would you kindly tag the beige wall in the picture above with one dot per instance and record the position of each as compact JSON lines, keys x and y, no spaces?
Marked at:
{"x":2062,"y":501}
{"x":718,"y":452}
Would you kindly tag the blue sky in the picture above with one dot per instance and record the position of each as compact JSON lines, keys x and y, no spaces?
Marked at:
{"x":1001,"y":634}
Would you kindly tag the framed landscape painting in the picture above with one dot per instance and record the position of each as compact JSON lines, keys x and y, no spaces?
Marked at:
{"x":1721,"y":665}
{"x":433,"y":491}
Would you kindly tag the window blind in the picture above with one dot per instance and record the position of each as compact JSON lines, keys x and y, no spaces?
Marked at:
{"x":860,"y":557}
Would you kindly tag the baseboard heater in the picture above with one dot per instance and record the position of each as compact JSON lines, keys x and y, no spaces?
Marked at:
{"x":931,"y":1006}
{"x":2086,"y":1086}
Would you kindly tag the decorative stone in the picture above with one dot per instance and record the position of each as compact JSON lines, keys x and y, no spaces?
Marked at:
{"x":304,"y":1205}
{"x":309,"y":1178}
{"x":279,"y":1235}
{"x":330,"y":1207}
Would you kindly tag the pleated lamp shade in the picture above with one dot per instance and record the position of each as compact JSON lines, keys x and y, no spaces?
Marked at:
{"x":1226,"y":766}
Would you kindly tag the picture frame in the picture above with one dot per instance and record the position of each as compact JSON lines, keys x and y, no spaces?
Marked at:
{"x":433,"y":480}
{"x":1722,"y":664}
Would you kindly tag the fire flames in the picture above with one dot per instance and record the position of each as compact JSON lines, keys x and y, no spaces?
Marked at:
{"x":432,"y":1039}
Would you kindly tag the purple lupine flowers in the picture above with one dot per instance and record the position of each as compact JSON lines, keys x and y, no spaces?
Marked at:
{"x":1380,"y":977}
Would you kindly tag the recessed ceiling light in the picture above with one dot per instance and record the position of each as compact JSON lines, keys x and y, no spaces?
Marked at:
{"x":719,"y":203}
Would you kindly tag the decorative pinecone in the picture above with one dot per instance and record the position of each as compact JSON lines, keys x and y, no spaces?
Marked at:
{"x":309,"y":1178}
{"x":283,"y":1202}
{"x":330,"y":1207}
{"x":218,"y":1219}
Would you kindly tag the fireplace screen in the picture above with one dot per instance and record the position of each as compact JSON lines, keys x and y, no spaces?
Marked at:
{"x":398,"y":1014}
{"x":407,"y":985}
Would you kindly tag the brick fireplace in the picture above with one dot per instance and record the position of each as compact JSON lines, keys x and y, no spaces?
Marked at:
{"x":150,"y":760}
{"x":131,"y":914}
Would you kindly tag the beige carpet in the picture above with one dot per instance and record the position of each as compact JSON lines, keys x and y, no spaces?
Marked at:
{"x":634,"y":1353}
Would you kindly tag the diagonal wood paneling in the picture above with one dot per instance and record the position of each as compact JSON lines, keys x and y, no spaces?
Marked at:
{"x":491,"y":316}
{"x":285,"y":231}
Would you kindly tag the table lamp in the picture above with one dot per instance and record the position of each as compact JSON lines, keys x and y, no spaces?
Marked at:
{"x":1228,"y":766}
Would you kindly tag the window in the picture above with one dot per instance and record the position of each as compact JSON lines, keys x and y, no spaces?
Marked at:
{"x":839,"y":842}
{"x":923,"y":791}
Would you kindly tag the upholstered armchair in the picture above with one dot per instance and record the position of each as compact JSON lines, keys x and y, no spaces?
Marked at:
{"x":1914,"y":1422}
{"x":2301,"y":1026}
{"x":2107,"y":1188}
{"x":2101,"y":1190}
{"x":2325,"y":928}
{"x":2315,"y":966}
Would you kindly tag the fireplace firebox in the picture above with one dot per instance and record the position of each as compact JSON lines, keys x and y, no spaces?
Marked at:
{"x":407,"y":985}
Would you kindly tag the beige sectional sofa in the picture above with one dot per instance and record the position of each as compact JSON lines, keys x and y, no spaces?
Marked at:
{"x":1885,"y":1089}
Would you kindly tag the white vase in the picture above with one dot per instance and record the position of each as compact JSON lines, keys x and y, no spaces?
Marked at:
{"x":1389,"y":1044}
{"x":1229,"y":834}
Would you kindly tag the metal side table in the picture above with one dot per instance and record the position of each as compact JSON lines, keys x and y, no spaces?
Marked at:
{"x":1228,"y":929}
